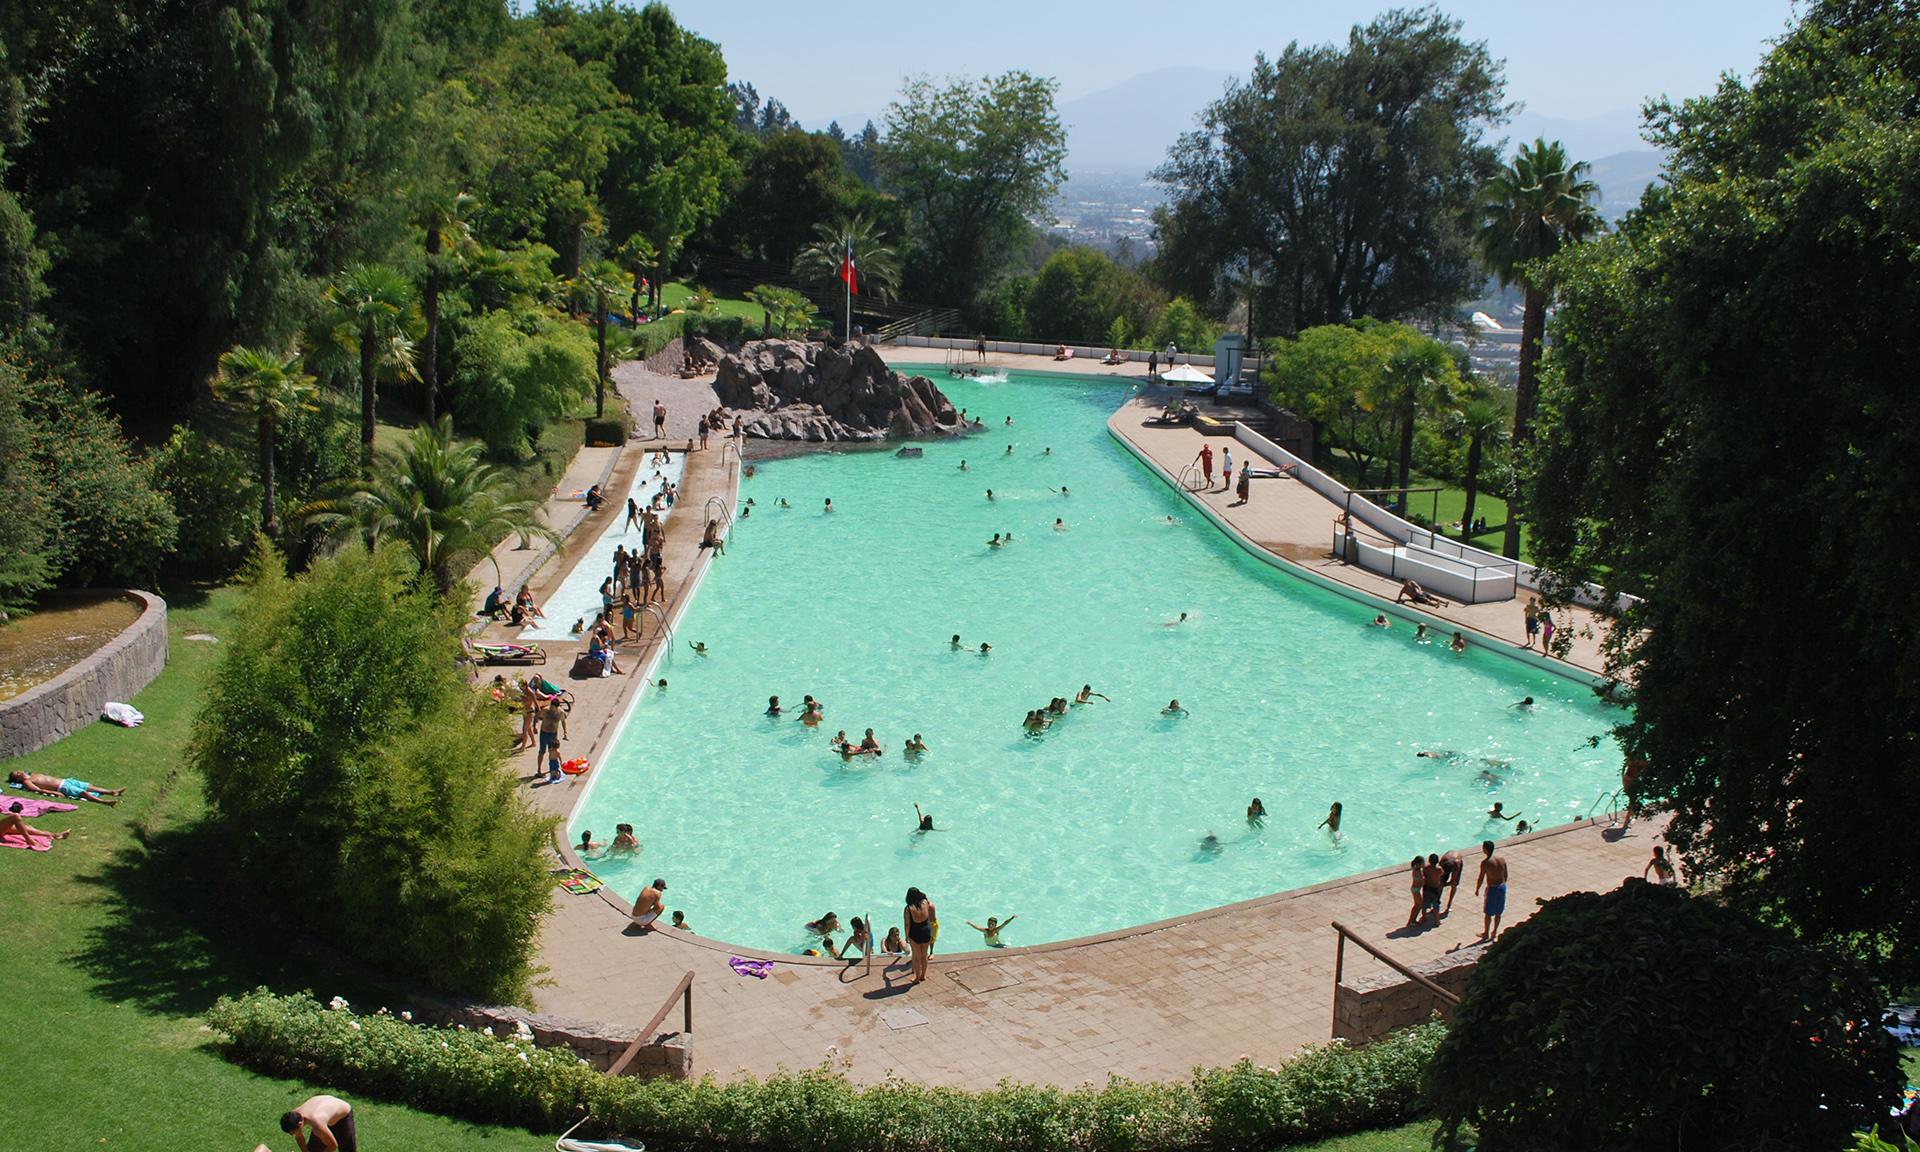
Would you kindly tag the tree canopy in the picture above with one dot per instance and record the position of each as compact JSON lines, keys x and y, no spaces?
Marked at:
{"x":972,"y":161}
{"x":1726,"y":431}
{"x":1339,"y":177}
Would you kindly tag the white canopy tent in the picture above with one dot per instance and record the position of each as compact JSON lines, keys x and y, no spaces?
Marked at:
{"x":1186,"y":374}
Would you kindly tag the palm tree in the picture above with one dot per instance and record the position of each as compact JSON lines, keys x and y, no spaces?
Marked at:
{"x":1479,"y":415}
{"x":443,"y":215}
{"x":600,"y":280}
{"x":876,"y":265}
{"x":437,"y":497}
{"x":274,"y":387}
{"x":785,"y":308}
{"x":637,"y":255}
{"x":1527,"y":212}
{"x":369,"y":301}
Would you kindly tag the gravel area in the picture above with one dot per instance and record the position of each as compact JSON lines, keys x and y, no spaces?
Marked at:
{"x":686,"y":400}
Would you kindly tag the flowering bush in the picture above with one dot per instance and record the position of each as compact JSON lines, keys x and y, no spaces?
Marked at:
{"x":508,"y":1080}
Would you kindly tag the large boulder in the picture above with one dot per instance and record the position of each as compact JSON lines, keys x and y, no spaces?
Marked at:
{"x":797,"y":390}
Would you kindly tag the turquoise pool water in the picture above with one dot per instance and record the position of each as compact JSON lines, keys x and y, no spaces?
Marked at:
{"x":1099,"y":824}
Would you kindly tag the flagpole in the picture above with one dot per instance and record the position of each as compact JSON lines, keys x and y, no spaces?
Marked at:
{"x":848,"y":264}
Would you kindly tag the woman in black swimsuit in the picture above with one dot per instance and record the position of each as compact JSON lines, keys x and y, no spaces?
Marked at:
{"x":918,"y":922}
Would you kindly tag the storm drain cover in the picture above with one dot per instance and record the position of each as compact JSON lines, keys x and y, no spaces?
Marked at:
{"x":985,"y":978}
{"x":900,"y":1019}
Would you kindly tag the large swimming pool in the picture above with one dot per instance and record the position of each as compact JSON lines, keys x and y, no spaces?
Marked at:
{"x":1100,"y":823}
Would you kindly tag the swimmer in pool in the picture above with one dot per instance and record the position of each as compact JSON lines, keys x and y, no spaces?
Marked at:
{"x":1057,"y":706}
{"x":1494,"y":813}
{"x":916,"y":747}
{"x":1169,"y":519}
{"x":1210,"y":845}
{"x":1332,"y":822}
{"x":1459,"y":643}
{"x":1381,"y":621}
{"x":1009,"y":423}
{"x":773,"y":705}
{"x":869,"y":744}
{"x":579,"y":626}
{"x":923,"y":821}
{"x":783,"y":502}
{"x":1420,"y":633}
{"x":1173,"y":709}
{"x":1048,"y":452}
{"x":829,"y":503}
{"x":661,"y":686}
{"x":955,"y":644}
{"x":963,"y":465}
{"x":1087,"y":693}
{"x":985,"y":647}
{"x":992,"y":930}
{"x":1525,"y":705}
{"x":839,"y":742}
{"x":1059,"y":525}
{"x":1435,"y":754}
{"x":1256,"y":812}
{"x":1036,"y":721}
{"x":1063,"y":489}
{"x":824,"y":925}
{"x":1174,"y":623}
{"x":697,"y":646}
{"x":996,"y":542}
{"x":989,"y":494}
{"x":1009,"y":449}
{"x":811,"y":715}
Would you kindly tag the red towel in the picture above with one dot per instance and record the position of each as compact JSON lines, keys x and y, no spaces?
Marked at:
{"x":38,"y":844}
{"x":32,"y":808}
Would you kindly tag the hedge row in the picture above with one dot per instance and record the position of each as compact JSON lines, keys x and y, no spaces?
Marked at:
{"x":651,"y":338}
{"x":507,"y":1080}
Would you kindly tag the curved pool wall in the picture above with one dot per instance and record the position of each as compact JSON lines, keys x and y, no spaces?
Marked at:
{"x":1099,"y":825}
{"x":117,"y":670}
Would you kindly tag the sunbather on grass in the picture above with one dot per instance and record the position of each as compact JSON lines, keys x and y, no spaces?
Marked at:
{"x":70,"y":788}
{"x":11,"y":825}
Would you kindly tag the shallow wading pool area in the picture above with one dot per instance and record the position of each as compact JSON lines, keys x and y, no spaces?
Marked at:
{"x":1102,"y":822}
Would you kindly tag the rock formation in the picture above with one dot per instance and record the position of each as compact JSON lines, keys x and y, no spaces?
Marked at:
{"x":794,"y":390}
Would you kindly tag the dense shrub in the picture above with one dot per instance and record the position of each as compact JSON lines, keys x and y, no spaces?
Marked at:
{"x":26,"y":562}
{"x":216,"y":496}
{"x":1646,"y":1018}
{"x":109,"y":523}
{"x":349,"y":764}
{"x":507,"y":1080}
{"x":509,"y":382}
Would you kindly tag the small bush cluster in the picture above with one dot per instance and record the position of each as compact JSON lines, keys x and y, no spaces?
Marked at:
{"x":507,"y":1080}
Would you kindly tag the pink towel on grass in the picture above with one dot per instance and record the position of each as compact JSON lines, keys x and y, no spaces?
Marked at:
{"x":31,"y":808}
{"x":38,"y":845}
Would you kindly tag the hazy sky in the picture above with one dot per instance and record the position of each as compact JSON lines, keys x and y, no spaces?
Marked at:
{"x":1568,"y":60}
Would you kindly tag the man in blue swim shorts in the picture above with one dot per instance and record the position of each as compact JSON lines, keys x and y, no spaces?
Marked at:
{"x":1493,"y":875}
{"x":70,"y":788}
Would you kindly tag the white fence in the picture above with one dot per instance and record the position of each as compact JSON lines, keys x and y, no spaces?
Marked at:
{"x":1448,"y":567}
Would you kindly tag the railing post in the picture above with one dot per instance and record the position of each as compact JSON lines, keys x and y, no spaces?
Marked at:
{"x":689,"y":1006}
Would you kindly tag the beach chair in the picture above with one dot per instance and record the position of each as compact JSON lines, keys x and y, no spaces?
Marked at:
{"x":568,"y":1142}
{"x":506,"y":653}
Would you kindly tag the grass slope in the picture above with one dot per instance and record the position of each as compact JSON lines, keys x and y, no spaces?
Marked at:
{"x":117,"y":940}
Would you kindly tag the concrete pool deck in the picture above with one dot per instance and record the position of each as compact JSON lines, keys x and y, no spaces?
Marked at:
{"x":1151,"y":1002}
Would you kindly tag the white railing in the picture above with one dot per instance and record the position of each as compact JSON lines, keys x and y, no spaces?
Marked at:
{"x":1405,"y":532}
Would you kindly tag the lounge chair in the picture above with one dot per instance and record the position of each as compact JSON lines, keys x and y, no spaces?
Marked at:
{"x":486,"y":653}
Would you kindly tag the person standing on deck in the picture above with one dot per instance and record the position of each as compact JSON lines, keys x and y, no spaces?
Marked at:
{"x":1206,"y":464}
{"x":1493,"y":876}
{"x":1226,"y":469}
{"x":659,"y":420}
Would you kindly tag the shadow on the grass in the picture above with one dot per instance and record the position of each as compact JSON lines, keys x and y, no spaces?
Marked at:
{"x":180,"y":932}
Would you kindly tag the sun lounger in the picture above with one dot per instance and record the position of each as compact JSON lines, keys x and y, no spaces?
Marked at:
{"x":487,"y":653}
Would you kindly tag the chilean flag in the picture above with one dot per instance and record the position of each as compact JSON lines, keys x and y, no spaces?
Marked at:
{"x":847,"y":272}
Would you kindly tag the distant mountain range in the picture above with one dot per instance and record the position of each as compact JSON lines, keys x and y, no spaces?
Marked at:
{"x":1126,"y":129}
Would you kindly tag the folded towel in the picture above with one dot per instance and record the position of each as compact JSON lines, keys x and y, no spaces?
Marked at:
{"x":31,"y":808}
{"x":38,"y":845}
{"x":758,"y":969}
{"x":125,"y":715}
{"x":578,"y":881}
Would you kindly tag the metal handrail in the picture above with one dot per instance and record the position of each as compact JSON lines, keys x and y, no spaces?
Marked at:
{"x":1606,"y":797}
{"x":665,"y":627}
{"x":726,"y":512}
{"x":682,"y":992}
{"x":1189,"y":485}
{"x":733,"y":446}
{"x":1340,"y":963}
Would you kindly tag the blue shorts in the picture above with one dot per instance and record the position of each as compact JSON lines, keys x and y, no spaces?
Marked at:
{"x":1496,"y":900}
{"x":74,"y":789}
{"x":549,"y":740}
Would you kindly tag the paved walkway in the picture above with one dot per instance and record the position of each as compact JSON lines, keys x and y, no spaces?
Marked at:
{"x":1153,"y":1002}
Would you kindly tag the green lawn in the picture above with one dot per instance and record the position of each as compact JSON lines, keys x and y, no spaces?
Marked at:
{"x":1337,"y":463}
{"x":1417,"y":1137}
{"x":117,"y":940}
{"x":675,"y":296}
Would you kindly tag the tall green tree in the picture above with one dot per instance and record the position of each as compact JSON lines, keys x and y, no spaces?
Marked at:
{"x":791,"y":181}
{"x":438,"y":499}
{"x":972,"y":161}
{"x":272,"y":386}
{"x":1338,"y":177}
{"x":1480,"y":416}
{"x":601,"y":281}
{"x":1528,"y":211}
{"x":369,"y":302}
{"x":27,"y":530}
{"x":443,"y":217}
{"x":1726,"y":429}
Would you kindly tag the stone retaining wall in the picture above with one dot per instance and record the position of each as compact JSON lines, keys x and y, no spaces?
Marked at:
{"x":670,"y":1056}
{"x":1370,"y":1007}
{"x":117,"y":670}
